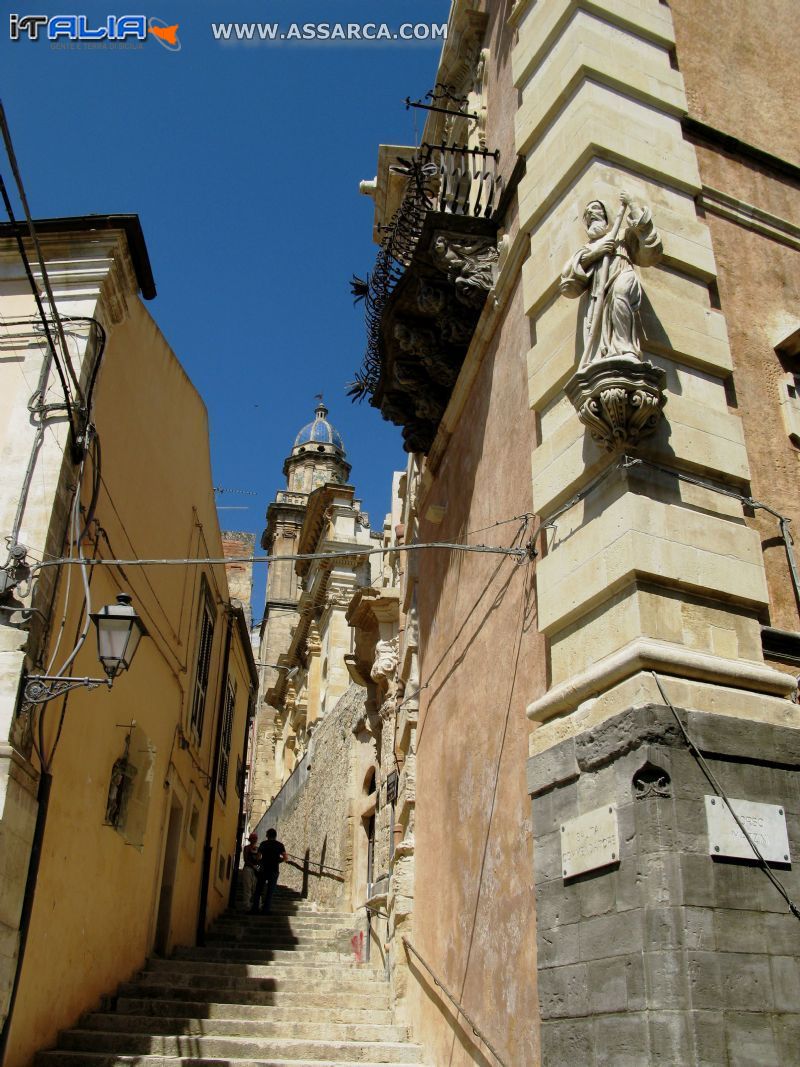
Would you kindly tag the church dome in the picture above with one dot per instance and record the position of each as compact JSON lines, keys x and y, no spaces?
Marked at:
{"x":320,"y":431}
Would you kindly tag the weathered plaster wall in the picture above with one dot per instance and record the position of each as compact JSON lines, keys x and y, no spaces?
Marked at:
{"x":739,"y":63}
{"x":481,"y":660}
{"x":754,"y":103}
{"x":97,"y":897}
{"x":761,"y":314}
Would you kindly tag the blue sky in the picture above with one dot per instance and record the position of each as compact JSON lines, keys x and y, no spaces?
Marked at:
{"x":243,"y":163}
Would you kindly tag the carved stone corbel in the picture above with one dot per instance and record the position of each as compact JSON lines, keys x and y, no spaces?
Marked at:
{"x":384,"y":672}
{"x":468,"y":263}
{"x":619,"y":400}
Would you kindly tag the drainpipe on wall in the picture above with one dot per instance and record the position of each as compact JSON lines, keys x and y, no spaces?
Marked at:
{"x":212,"y":788}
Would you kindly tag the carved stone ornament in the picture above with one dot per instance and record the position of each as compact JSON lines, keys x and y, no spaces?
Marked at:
{"x":468,"y":264}
{"x":604,"y":269}
{"x":618,"y":399}
{"x":384,"y":669}
{"x":651,"y":781}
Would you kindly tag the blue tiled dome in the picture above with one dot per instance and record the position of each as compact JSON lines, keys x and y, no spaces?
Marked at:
{"x":320,"y":431}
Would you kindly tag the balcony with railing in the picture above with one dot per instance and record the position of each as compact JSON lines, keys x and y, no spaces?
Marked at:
{"x":424,"y":297}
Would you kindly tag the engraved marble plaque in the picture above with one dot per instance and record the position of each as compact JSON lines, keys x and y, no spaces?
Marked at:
{"x":590,"y":841}
{"x":766,"y":824}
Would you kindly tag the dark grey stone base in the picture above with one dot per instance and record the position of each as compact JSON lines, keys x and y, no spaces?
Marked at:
{"x":670,"y":957}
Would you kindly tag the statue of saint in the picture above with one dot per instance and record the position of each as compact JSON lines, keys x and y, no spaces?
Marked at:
{"x":604,"y":267}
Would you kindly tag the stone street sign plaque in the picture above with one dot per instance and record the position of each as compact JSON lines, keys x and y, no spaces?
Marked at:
{"x":590,"y":841}
{"x":766,"y":824}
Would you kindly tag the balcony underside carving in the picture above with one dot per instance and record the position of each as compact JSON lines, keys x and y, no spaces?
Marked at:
{"x":423,"y":299}
{"x":429,"y":320}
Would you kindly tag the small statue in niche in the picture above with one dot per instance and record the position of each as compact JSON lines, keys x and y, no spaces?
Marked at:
{"x":605,"y":267}
{"x":119,"y":789}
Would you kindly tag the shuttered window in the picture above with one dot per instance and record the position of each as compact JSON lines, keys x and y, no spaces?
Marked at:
{"x":204,"y":647}
{"x":227,"y":735}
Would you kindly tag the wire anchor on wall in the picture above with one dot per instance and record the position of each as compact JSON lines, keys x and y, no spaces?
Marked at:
{"x":442,"y":92}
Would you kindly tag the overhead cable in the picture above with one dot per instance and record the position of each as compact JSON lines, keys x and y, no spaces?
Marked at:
{"x":53,"y":352}
{"x":12,"y":158}
{"x":520,"y":554}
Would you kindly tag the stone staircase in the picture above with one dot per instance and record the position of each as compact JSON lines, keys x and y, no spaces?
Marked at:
{"x":282,"y":990}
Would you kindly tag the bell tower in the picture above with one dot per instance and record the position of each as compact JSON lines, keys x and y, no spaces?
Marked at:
{"x":317,"y":457}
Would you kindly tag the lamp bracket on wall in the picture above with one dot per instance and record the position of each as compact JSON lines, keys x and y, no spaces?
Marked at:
{"x":39,"y":688}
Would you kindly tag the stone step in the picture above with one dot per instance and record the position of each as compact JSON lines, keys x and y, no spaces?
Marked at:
{"x":235,"y":1027}
{"x":244,"y":915}
{"x":352,"y":982}
{"x":285,"y":970}
{"x":274,"y":1013}
{"x":268,"y":924}
{"x":66,"y":1058}
{"x":303,"y":956}
{"x":266,"y":931}
{"x":237,"y":1048}
{"x":374,"y":998}
{"x":339,"y":945}
{"x":271,"y":938}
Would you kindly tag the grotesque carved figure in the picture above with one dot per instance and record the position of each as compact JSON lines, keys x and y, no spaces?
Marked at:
{"x":384,"y":669}
{"x":605,"y":267}
{"x":468,"y":263}
{"x":416,"y":340}
{"x":431,"y":300}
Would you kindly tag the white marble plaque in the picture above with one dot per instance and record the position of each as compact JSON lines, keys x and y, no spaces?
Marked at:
{"x":766,"y":824}
{"x":590,"y":841}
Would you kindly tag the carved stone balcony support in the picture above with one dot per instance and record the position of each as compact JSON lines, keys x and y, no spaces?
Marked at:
{"x":429,"y":320}
{"x":425,"y":294}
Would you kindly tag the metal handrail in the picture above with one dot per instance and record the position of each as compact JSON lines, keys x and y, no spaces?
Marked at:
{"x":312,"y":863}
{"x":475,"y":1029}
{"x":376,"y":911}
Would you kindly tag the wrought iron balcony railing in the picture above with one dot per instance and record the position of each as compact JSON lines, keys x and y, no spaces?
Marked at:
{"x":431,"y":277}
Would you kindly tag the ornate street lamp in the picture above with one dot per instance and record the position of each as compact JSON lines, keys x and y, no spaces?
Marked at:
{"x":119,"y":631}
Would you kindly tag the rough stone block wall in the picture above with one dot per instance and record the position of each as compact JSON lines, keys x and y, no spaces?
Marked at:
{"x":312,"y":812}
{"x":240,"y":575}
{"x":669,"y":956}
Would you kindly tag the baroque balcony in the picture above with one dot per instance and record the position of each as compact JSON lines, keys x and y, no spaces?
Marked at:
{"x":435,"y":267}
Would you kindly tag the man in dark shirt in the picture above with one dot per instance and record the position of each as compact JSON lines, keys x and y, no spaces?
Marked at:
{"x":272,"y":854}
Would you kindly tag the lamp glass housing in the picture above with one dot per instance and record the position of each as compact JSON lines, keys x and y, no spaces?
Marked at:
{"x":119,"y":631}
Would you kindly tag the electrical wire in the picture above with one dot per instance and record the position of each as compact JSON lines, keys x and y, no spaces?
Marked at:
{"x":147,"y":581}
{"x":501,"y":522}
{"x":711,"y":777}
{"x":76,"y":538}
{"x":12,"y":158}
{"x":53,"y":354}
{"x":521,"y":554}
{"x":626,"y":462}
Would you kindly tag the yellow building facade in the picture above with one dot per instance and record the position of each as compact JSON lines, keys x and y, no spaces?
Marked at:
{"x":121,"y":806}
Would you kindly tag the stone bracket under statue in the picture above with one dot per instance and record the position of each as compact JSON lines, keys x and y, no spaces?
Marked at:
{"x":618,"y":399}
{"x":617,"y":394}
